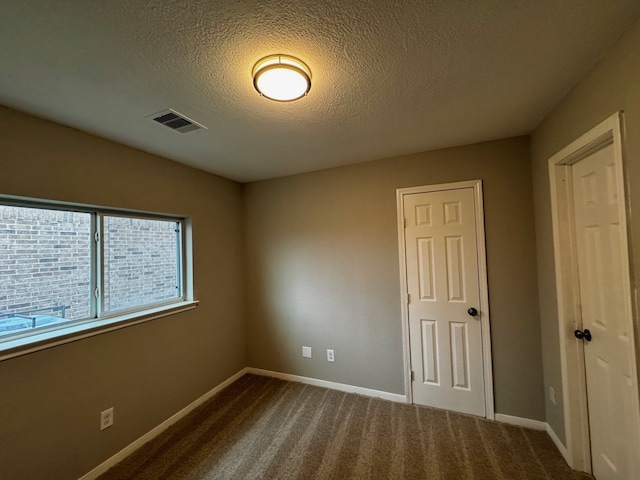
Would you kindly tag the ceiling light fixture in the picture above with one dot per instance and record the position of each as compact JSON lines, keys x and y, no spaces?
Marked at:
{"x":282,"y":78}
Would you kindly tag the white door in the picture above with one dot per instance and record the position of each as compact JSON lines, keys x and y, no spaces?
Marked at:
{"x":442,"y":282}
{"x":609,"y":356}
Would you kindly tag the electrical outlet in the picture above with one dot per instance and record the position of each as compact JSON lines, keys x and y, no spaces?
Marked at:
{"x":306,"y":352}
{"x":330,"y":355}
{"x":552,"y":395}
{"x":106,"y":418}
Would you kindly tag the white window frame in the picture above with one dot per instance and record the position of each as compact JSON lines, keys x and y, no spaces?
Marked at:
{"x":99,"y":322}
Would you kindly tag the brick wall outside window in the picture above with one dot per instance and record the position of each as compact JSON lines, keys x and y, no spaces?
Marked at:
{"x":45,"y":261}
{"x":140,"y":262}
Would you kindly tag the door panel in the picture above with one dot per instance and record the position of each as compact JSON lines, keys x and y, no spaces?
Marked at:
{"x":459,"y":355}
{"x":609,"y":356}
{"x":430,"y":363}
{"x":425,"y":267}
{"x":442,"y":282}
{"x":455,"y":265}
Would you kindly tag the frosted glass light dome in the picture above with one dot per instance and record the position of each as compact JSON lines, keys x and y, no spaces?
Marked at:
{"x":282,"y":78}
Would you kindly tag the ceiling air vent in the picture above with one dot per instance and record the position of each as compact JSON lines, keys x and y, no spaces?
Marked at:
{"x":176,"y":121}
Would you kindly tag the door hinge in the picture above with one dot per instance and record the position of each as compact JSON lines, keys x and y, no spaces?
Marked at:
{"x":408,"y":298}
{"x":96,"y":236}
{"x":413,"y":376}
{"x":404,"y":220}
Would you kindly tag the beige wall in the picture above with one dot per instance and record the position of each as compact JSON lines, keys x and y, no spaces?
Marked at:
{"x":321,"y":258}
{"x":322,"y":269}
{"x":50,"y":400}
{"x":612,"y":86}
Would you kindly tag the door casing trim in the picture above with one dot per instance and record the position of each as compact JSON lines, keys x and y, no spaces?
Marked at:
{"x":482,"y":282}
{"x":573,"y":373}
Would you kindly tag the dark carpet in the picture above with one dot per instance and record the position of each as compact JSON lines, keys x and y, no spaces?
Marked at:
{"x":264,"y":428}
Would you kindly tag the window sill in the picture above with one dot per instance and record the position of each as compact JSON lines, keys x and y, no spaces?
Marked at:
{"x":41,"y":341}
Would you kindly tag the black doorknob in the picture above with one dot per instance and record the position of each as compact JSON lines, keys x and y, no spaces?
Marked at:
{"x":580,"y":334}
{"x":472,"y":311}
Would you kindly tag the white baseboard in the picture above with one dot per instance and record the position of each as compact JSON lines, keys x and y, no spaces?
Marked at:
{"x":394,"y":397}
{"x":536,"y":425}
{"x":522,"y":422}
{"x":129,"y":449}
{"x":559,"y":445}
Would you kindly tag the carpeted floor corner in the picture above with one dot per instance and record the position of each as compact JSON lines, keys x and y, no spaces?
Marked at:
{"x":264,"y":428}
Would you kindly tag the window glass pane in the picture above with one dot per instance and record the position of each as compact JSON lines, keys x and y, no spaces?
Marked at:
{"x":45,"y":267}
{"x":141,"y":262}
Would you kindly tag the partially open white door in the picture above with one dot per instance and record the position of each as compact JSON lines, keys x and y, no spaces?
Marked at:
{"x":596,"y":327}
{"x":605,"y":331}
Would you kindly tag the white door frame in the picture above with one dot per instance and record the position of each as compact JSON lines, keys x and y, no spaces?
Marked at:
{"x":574,"y":393}
{"x":482,"y":282}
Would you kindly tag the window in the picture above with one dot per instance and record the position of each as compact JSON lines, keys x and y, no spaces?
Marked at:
{"x":141,"y":262}
{"x":63,"y":266}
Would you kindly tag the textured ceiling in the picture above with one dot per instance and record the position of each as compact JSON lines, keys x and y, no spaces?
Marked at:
{"x":390,"y":77}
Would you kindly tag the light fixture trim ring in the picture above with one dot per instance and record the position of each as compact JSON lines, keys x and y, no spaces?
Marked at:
{"x":272,"y":62}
